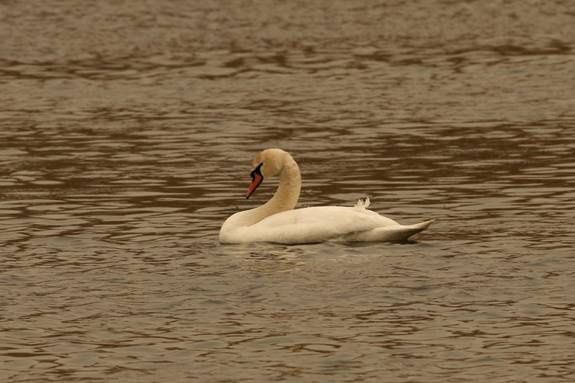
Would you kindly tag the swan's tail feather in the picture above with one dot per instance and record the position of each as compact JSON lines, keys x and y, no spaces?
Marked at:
{"x":398,"y":233}
{"x":403,"y":233}
{"x":422,"y":225}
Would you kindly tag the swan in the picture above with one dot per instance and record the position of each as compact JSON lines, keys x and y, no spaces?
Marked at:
{"x":277,"y":221}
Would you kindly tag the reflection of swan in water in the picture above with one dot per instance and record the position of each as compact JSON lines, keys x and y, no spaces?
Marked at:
{"x":277,"y":220}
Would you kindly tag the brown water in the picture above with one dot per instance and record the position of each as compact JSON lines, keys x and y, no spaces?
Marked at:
{"x":126,"y":134}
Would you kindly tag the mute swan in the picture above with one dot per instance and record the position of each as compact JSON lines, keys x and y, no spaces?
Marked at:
{"x":277,"y":221}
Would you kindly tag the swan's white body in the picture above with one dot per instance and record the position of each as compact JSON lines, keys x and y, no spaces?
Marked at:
{"x":277,"y":221}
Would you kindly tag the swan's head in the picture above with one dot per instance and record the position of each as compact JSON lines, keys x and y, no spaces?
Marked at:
{"x":268,"y":163}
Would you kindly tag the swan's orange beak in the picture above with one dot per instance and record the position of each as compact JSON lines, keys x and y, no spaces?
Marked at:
{"x":257,"y":179}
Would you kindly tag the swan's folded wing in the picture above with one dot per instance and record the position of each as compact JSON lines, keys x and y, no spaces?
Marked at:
{"x":315,"y":224}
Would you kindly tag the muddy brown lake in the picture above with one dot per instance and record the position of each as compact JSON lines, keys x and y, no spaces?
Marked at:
{"x":127,"y":131}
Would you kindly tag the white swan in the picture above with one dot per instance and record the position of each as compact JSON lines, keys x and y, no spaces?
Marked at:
{"x":277,"y":221}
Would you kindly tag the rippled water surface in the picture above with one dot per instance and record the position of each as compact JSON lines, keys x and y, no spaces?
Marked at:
{"x":126,"y":135}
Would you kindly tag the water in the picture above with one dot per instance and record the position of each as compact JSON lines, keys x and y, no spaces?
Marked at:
{"x":126,"y":135}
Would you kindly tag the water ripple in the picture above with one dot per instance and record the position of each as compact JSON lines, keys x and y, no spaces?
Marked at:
{"x":124,"y":146}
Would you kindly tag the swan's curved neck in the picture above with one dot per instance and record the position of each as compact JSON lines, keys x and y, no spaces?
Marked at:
{"x":286,"y":195}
